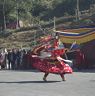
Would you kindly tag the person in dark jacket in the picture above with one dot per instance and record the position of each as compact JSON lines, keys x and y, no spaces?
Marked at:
{"x":14,"y":59}
{"x":9,"y":58}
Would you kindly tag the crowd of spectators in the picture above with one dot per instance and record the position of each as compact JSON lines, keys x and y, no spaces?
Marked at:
{"x":15,"y":59}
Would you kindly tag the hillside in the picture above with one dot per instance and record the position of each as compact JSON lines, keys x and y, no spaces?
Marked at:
{"x":21,"y":38}
{"x":17,"y":40}
{"x":25,"y":38}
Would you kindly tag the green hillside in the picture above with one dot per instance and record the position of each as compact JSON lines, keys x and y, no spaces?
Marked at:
{"x":35,"y":14}
{"x":35,"y":11}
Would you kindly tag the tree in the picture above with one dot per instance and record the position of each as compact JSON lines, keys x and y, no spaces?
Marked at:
{"x":14,"y":9}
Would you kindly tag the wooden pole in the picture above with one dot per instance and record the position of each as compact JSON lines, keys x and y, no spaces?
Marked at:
{"x":17,"y":13}
{"x":54,"y":23}
{"x":4,"y":15}
{"x":77,"y":11}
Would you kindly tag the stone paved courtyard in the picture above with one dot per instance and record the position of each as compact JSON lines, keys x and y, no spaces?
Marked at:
{"x":30,"y":83}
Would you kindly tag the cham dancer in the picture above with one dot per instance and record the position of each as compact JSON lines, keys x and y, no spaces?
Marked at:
{"x":48,"y":59}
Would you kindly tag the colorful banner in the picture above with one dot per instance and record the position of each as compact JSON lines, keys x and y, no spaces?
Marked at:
{"x":79,"y":37}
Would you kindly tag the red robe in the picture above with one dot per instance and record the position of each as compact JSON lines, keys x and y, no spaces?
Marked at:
{"x":51,"y":64}
{"x":57,"y":67}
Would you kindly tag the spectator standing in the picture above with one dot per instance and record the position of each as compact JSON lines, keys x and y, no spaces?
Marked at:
{"x":18,"y":59}
{"x":2,"y":60}
{"x":14,"y":59}
{"x":9,"y":58}
{"x":24,"y":59}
